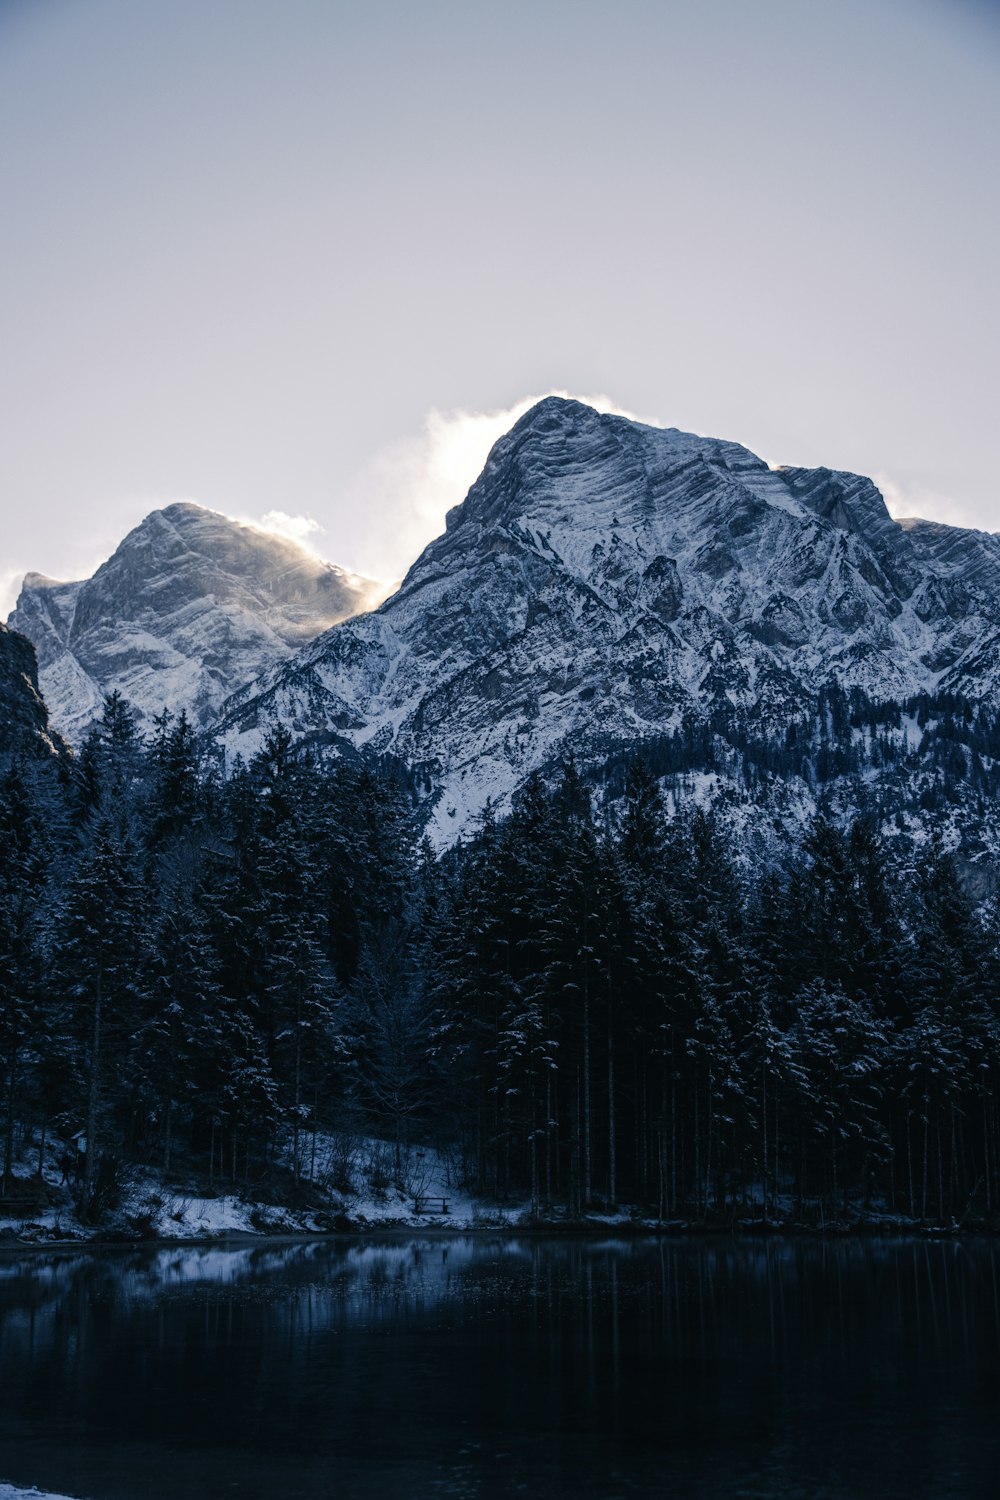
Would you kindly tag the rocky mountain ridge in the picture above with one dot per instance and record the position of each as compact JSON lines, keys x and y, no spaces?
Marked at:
{"x":606,"y":582}
{"x":191,"y":606}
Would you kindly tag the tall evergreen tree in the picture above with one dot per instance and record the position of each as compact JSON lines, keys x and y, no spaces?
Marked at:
{"x":101,"y":969}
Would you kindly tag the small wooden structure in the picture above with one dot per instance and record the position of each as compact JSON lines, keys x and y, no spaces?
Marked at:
{"x":422,"y":1204}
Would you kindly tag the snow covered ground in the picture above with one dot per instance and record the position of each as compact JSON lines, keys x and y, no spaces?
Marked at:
{"x":10,"y":1492}
{"x":349,"y":1182}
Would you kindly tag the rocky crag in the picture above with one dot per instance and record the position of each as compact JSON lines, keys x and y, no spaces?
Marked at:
{"x":24,"y":719}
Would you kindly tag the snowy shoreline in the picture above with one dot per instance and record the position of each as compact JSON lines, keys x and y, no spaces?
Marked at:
{"x":533,"y":1229}
{"x":12,"y":1492}
{"x":152,"y":1213}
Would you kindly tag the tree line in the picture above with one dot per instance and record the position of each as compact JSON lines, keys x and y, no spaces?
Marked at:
{"x":593,"y":1005}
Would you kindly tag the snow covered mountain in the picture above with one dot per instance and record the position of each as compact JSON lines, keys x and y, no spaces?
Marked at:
{"x":190,"y":607}
{"x":604,"y":582}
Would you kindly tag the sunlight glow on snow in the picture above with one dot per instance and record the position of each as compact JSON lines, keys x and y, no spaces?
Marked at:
{"x":408,"y":488}
{"x":906,"y":501}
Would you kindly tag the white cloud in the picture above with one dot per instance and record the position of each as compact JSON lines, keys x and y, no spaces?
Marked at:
{"x":916,"y":500}
{"x":295,"y":528}
{"x":405,"y":492}
{"x":10,"y":587}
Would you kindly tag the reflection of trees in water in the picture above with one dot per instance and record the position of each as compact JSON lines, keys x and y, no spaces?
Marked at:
{"x":679,"y":1291}
{"x":377,"y":1348}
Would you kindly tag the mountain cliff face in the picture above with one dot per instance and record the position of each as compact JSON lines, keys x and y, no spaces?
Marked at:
{"x":605,"y":582}
{"x":24,"y":720}
{"x":191,"y":606}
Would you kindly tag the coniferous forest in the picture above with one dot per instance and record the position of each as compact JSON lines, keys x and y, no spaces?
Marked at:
{"x":589,"y":1005}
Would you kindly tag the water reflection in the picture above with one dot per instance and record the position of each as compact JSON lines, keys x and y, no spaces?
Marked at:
{"x":488,"y":1367}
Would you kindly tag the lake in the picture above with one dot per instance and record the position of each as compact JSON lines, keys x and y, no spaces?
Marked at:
{"x":484,"y":1367}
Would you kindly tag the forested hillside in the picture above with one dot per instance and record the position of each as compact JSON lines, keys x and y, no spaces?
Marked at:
{"x":592,"y":1001}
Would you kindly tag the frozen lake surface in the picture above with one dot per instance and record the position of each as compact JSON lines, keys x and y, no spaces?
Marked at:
{"x":491,"y":1367}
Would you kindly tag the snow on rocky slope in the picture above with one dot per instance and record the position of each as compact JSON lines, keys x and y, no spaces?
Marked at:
{"x":24,"y":720}
{"x":191,"y":606}
{"x":604,"y":579}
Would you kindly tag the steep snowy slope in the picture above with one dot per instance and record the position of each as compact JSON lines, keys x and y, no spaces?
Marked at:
{"x":191,"y":606}
{"x":24,"y":721}
{"x":603,"y":580}
{"x":962,"y":572}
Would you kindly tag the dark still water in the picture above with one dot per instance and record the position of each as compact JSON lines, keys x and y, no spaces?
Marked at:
{"x":428,"y":1368}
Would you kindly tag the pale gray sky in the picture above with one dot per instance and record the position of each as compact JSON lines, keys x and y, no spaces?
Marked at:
{"x":265,"y":253}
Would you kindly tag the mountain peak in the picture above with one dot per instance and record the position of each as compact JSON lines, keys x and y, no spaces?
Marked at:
{"x":189,"y":607}
{"x":554,"y":410}
{"x":42,"y":581}
{"x":179,"y":509}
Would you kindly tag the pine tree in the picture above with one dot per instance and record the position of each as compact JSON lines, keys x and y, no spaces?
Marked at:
{"x":175,"y":1050}
{"x":101,"y":967}
{"x":388,"y":1036}
{"x":840,"y":1047}
{"x":22,"y":881}
{"x":175,"y":793}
